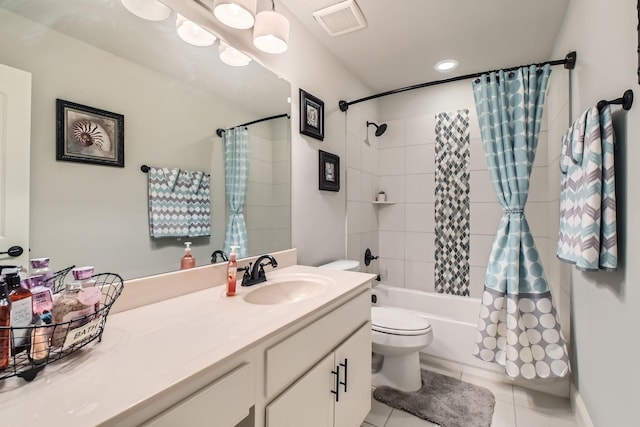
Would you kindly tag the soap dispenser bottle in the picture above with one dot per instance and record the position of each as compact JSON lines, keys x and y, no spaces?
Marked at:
{"x":21,"y":310}
{"x":232,"y":271}
{"x":187,"y":261}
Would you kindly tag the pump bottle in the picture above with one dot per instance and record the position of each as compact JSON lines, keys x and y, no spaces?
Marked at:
{"x":187,"y":261}
{"x":232,"y":271}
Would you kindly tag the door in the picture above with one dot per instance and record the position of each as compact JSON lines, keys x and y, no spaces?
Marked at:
{"x":354,"y":358}
{"x":15,"y":143}
{"x":308,"y":402}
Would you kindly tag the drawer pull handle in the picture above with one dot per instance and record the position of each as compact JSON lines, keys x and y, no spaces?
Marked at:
{"x":344,"y":365}
{"x":337,"y":390}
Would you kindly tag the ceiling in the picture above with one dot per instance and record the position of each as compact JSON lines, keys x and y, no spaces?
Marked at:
{"x":405,"y":38}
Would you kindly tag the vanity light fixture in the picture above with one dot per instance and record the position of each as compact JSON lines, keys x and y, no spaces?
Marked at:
{"x":151,"y":10}
{"x":271,"y":31}
{"x":192,"y":33}
{"x":238,"y":14}
{"x":232,"y":56}
{"x":446,"y":65}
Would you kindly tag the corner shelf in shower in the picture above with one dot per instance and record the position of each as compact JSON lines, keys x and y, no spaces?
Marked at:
{"x":375,"y":202}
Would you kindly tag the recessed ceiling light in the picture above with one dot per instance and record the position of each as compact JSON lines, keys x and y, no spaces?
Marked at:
{"x":446,"y":65}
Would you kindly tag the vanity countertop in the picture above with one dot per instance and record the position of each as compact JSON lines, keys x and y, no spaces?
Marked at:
{"x":146,"y":350}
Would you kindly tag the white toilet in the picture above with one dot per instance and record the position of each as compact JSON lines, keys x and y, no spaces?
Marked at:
{"x":398,"y":335}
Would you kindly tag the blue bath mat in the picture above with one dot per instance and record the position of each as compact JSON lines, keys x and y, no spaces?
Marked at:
{"x":443,"y":400}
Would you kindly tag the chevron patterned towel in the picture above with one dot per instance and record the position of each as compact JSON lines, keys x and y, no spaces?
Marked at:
{"x":588,"y":232}
{"x":179,"y":203}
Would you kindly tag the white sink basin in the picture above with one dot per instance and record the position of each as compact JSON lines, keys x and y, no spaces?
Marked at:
{"x":288,"y":289}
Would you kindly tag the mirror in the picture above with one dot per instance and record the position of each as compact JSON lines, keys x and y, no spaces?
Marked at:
{"x":173,"y":97}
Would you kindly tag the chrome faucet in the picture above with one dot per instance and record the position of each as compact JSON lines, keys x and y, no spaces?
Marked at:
{"x":216,"y":253}
{"x":255,"y":275}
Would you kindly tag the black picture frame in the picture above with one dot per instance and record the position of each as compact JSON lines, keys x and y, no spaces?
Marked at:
{"x":311,"y":115}
{"x":329,"y":171}
{"x":89,"y":135}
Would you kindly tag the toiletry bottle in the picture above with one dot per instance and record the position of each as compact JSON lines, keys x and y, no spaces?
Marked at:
{"x":68,"y":307}
{"x":5,"y":332}
{"x":187,"y":261}
{"x":232,"y":271}
{"x":21,"y":310}
{"x":41,"y":266}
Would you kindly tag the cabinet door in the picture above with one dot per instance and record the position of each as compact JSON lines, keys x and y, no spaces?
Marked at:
{"x":308,"y":402}
{"x":355,"y":388}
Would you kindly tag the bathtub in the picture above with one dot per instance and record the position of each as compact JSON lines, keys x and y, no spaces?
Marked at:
{"x":454,"y":322}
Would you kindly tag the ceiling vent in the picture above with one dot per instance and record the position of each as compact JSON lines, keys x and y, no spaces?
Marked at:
{"x":341,"y":18}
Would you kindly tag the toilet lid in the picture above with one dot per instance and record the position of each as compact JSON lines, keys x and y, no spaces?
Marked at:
{"x":342,"y":264}
{"x":398,"y":321}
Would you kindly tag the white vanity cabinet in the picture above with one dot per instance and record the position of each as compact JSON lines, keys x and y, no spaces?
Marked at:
{"x":329,"y":367}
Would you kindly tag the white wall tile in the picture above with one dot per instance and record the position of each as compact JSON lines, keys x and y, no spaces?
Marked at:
{"x":368,"y":158}
{"x":392,"y":271}
{"x":367,"y":187}
{"x":353,"y":184}
{"x":542,"y":151}
{"x":477,"y":159}
{"x":392,"y":244}
{"x":480,"y":187}
{"x":391,"y":162}
{"x":354,"y":246}
{"x":391,"y":217}
{"x":354,"y":217}
{"x":419,"y":159}
{"x":394,"y":186}
{"x":419,"y":217}
{"x":420,"y":188}
{"x":419,"y":275}
{"x":476,"y":281}
{"x":420,"y":130}
{"x":355,"y":123}
{"x":354,"y":152}
{"x":479,"y":250}
{"x":419,"y":247}
{"x":485,"y":217}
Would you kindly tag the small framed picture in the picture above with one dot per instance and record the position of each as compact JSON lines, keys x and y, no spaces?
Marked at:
{"x":329,"y":171}
{"x":89,"y":135}
{"x":311,"y":116}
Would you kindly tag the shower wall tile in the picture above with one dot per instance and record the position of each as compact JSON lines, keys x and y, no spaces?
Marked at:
{"x":419,"y":217}
{"x":354,"y":152}
{"x":553,"y":183}
{"x":369,"y":217}
{"x":419,"y":159}
{"x":368,"y":158}
{"x":419,"y":130}
{"x":420,"y":188}
{"x":281,"y":195}
{"x":542,"y":244}
{"x":354,"y":217}
{"x":537,"y":216}
{"x":391,"y":217}
{"x":367,"y":185}
{"x":392,"y":244}
{"x":392,"y":271}
{"x":481,"y":189}
{"x":282,"y":217}
{"x":419,"y":246}
{"x":485,"y":217}
{"x":394,"y":136}
{"x":419,"y":275}
{"x":539,"y":185}
{"x":474,"y":126}
{"x":477,"y":159}
{"x":391,"y":162}
{"x":354,"y":187}
{"x":542,"y":150}
{"x":355,"y":246}
{"x":394,"y":186}
{"x":267,"y":150}
{"x":480,"y":249}
{"x":281,"y":173}
{"x":476,"y":286}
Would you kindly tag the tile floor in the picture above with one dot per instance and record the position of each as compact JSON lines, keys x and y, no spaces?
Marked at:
{"x":515,"y":407}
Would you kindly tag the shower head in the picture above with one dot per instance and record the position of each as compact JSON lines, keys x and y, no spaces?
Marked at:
{"x":380,"y":129}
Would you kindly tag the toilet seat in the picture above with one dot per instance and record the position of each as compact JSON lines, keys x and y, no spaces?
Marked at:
{"x":397,"y":321}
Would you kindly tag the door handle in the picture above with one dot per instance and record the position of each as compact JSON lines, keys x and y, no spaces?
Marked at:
{"x":344,"y":365}
{"x":337,"y":390}
{"x":13,"y":251}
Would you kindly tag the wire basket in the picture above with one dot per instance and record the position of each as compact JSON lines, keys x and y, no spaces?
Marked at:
{"x":46,"y":343}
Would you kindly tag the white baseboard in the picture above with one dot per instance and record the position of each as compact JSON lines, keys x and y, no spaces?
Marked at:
{"x":580,"y":409}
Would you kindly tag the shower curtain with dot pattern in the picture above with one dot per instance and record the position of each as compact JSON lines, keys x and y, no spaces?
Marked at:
{"x":518,"y":327}
{"x":236,"y":167}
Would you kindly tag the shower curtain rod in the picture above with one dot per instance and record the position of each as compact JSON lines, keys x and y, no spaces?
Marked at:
{"x":569,"y":63}
{"x":221,"y":131}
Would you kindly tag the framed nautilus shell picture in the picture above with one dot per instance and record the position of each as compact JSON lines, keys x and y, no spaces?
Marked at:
{"x":89,"y":135}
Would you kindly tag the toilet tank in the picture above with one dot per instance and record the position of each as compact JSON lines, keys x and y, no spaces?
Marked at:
{"x":342,"y":264}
